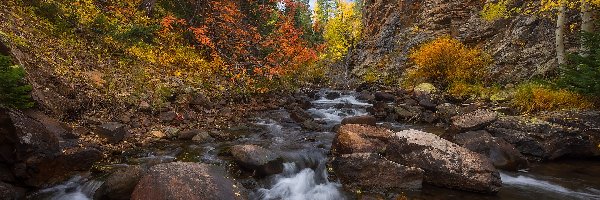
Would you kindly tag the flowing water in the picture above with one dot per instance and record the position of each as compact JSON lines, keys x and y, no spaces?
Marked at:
{"x":305,"y":175}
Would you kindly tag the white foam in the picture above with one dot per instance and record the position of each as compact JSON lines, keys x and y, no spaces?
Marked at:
{"x":532,"y":183}
{"x":303,"y":185}
{"x":346,"y":99}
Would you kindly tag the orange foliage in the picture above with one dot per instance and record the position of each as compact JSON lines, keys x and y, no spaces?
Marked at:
{"x":446,"y":60}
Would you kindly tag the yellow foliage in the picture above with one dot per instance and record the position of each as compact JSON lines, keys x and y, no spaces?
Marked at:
{"x":342,"y":31}
{"x":446,"y":60}
{"x":532,"y":97}
{"x":495,"y":11}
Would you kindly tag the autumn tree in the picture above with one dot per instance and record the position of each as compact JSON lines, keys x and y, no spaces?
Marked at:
{"x":342,"y":30}
{"x":559,"y":8}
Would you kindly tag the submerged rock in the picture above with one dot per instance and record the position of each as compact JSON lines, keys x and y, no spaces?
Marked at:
{"x":502,"y":154}
{"x":364,"y":119}
{"x":444,"y":163}
{"x":253,"y":157}
{"x":190,"y":181}
{"x":372,"y":172}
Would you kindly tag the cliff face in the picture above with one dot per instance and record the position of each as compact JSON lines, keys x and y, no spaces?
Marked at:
{"x":522,"y":46}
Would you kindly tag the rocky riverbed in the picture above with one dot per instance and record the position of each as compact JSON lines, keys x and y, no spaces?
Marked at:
{"x":369,"y":143}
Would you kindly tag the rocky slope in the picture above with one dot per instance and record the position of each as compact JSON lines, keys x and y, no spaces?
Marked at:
{"x":522,"y":46}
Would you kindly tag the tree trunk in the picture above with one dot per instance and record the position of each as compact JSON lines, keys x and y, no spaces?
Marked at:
{"x":587,"y":23}
{"x":560,"y":33}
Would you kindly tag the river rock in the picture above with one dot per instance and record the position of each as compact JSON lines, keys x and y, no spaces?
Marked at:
{"x":121,"y":183}
{"x":365,"y":96}
{"x":190,"y":181}
{"x":252,"y":157}
{"x":168,"y":116}
{"x":474,"y":120}
{"x":354,"y":138}
{"x":543,"y":140}
{"x":48,"y":172}
{"x":371,"y":172}
{"x":201,"y":102}
{"x":332,"y":95}
{"x":364,"y":119}
{"x":188,"y":134}
{"x":444,"y":163}
{"x":502,"y":154}
{"x":202,"y":137}
{"x":385,"y":97}
{"x":113,"y":131}
{"x":9,"y":192}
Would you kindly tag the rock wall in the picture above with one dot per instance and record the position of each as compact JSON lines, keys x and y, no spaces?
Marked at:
{"x":522,"y":46}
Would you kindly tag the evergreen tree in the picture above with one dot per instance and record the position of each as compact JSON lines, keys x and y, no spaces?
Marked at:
{"x":582,"y":74}
{"x":14,"y":93}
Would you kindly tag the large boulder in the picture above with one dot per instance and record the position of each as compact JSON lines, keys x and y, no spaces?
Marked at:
{"x":9,"y":192}
{"x":121,"y":183}
{"x":363,"y":119}
{"x":372,"y":172}
{"x":502,"y":154}
{"x":190,"y":181}
{"x":261,"y":160}
{"x":444,"y":163}
{"x":544,"y":140}
{"x":33,"y":153}
{"x":354,"y":138}
{"x":474,"y":120}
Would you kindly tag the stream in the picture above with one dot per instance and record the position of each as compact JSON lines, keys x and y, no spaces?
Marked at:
{"x":306,"y":176}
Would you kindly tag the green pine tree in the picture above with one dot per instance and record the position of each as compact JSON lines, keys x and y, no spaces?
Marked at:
{"x":14,"y":92}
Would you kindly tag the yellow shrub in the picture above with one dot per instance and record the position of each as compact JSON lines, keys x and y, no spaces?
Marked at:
{"x":532,"y":97}
{"x":446,"y":60}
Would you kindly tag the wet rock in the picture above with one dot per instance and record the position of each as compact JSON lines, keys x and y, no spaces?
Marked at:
{"x":406,"y":114}
{"x":364,"y":119}
{"x":22,"y":137}
{"x":189,"y":134}
{"x":6,"y":174}
{"x":354,"y":138}
{"x":40,"y":172}
{"x":253,"y":157}
{"x":446,"y":111}
{"x":235,"y":132}
{"x":121,"y":183}
{"x":202,"y":137}
{"x":385,"y":97}
{"x":428,"y":117}
{"x":543,"y":140}
{"x":190,"y":181}
{"x":33,"y":153}
{"x":311,"y":125}
{"x":113,"y":131}
{"x":502,"y":154}
{"x":168,"y":116}
{"x":427,"y":103}
{"x":300,"y":115}
{"x":474,"y":120}
{"x":365,"y":96}
{"x":9,"y":192}
{"x":444,"y":163}
{"x":332,"y":95}
{"x":373,"y":173}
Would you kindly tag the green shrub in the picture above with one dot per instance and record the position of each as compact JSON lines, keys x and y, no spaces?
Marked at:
{"x":582,"y":74}
{"x":14,"y":92}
